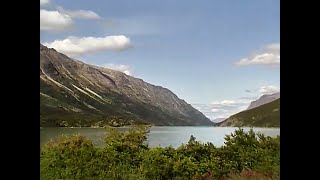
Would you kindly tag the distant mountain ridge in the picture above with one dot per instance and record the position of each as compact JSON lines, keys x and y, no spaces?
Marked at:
{"x":217,"y":120}
{"x":264,"y":100}
{"x":73,"y":93}
{"x":266,"y":115}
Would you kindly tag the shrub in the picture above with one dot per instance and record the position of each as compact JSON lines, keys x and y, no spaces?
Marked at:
{"x":127,"y":156}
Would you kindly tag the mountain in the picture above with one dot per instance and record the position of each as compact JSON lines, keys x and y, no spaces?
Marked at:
{"x":267,"y":115}
{"x":264,"y":100}
{"x":73,"y":93}
{"x":217,"y":120}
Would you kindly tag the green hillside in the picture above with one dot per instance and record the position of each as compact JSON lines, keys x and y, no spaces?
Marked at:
{"x":267,"y":115}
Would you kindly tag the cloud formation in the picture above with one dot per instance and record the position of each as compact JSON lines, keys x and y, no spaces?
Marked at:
{"x":251,"y":98}
{"x":269,"y":56}
{"x":223,"y":109}
{"x":119,"y":67}
{"x":54,"y":21}
{"x":76,"y":46}
{"x":44,"y":2}
{"x":269,"y":89}
{"x":79,"y":14}
{"x":61,"y":19}
{"x":224,"y":103}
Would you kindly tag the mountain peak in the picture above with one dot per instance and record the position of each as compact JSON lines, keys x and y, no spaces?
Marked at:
{"x":43,"y":47}
{"x":264,"y":99}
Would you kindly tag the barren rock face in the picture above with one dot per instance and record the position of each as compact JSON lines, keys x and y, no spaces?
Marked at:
{"x":98,"y":93}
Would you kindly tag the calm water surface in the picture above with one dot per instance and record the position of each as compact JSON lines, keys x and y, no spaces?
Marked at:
{"x":164,"y":136}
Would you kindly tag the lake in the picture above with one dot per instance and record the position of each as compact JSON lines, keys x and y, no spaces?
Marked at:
{"x":159,"y":135}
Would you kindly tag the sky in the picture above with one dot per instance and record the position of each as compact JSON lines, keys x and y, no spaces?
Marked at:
{"x":217,"y":55}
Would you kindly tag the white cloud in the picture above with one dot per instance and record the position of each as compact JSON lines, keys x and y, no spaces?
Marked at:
{"x":269,"y":89}
{"x":227,"y":108}
{"x":224,"y":102}
{"x":224,"y":108}
{"x":215,"y":110}
{"x":75,"y":46}
{"x":79,"y":14}
{"x":44,"y":2}
{"x":251,"y":98}
{"x":270,"y":55}
{"x":54,"y":21}
{"x":61,"y":19}
{"x":119,"y":67}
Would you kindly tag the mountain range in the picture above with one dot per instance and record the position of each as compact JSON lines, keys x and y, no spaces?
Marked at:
{"x":264,"y":100}
{"x":73,"y":93}
{"x":264,"y":112}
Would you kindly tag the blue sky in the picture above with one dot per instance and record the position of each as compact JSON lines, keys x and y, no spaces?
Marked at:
{"x":211,"y":53}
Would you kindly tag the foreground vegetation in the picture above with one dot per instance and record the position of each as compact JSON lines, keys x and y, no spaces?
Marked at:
{"x":245,"y":155}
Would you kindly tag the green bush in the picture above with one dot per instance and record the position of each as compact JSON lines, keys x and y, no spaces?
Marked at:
{"x":127,"y":156}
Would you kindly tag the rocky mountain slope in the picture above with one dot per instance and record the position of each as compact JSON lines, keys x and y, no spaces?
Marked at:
{"x":73,"y":93}
{"x":264,"y":100}
{"x":266,"y":115}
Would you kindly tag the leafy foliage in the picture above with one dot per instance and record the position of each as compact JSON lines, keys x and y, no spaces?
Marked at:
{"x":127,"y":156}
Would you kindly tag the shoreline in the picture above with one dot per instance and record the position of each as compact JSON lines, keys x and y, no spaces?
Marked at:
{"x":169,"y":126}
